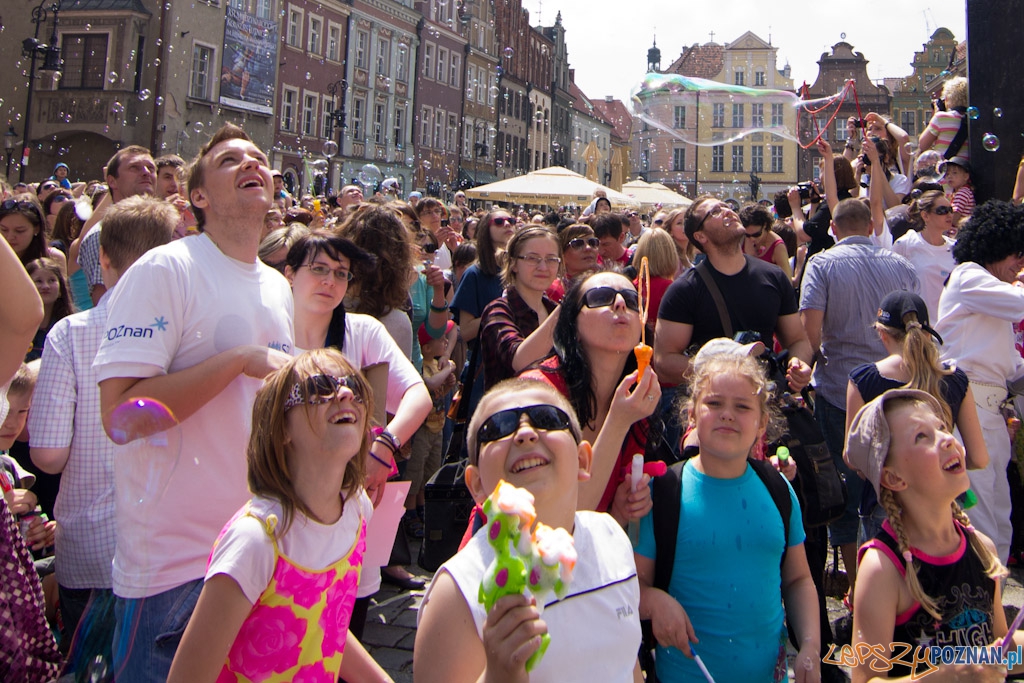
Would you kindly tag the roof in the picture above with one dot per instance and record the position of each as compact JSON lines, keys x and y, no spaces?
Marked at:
{"x":616,"y":113}
{"x":583,"y":104}
{"x":104,"y":5}
{"x":699,"y":61}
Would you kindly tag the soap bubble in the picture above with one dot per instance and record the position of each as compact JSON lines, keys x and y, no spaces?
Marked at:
{"x":426,"y":165}
{"x":997,"y":112}
{"x":117,"y":108}
{"x":508,"y":52}
{"x":159,"y":101}
{"x":112,"y":77}
{"x":330,"y":148}
{"x":973,"y":113}
{"x":145,"y":94}
{"x":370,"y":175}
{"x":308,"y":75}
{"x":319,"y":166}
{"x":990,"y":142}
{"x":148,"y":430}
{"x":198,"y":126}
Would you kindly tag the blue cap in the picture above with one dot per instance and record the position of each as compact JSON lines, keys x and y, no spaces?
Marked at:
{"x":415,"y":194}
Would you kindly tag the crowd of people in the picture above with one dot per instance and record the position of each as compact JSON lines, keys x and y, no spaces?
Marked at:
{"x":208,"y":384}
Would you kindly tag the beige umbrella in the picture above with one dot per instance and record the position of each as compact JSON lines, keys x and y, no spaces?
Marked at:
{"x":592,"y":155}
{"x":652,"y":194}
{"x":616,"y":179}
{"x":554,"y":186}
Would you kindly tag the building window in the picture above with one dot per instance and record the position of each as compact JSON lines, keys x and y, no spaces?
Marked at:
{"x":757,"y":115}
{"x":679,"y":117}
{"x":454,"y":79}
{"x":426,"y":126}
{"x":841,"y":133}
{"x":380,"y":120}
{"x":358,"y":116}
{"x":737,"y":158}
{"x":85,"y":60}
{"x":383,"y":57}
{"x":453,"y":133}
{"x":309,"y":107}
{"x":470,"y":77}
{"x":199,"y":84}
{"x":679,"y":159}
{"x":428,"y":60}
{"x":737,"y":116}
{"x":288,"y":99}
{"x":757,"y":159}
{"x":908,"y":122}
{"x":442,"y":12}
{"x":399,"y":127}
{"x":295,"y":27}
{"x":334,"y":43}
{"x":718,"y":115}
{"x":738,"y":78}
{"x":776,"y":158}
{"x":362,"y":41}
{"x":401,"y":66}
{"x":759,"y":78}
{"x":439,"y":131}
{"x":442,"y":65}
{"x":718,"y":158}
{"x":777,"y":116}
{"x":316,"y":29}
{"x":328,"y":108}
{"x":822,"y":126}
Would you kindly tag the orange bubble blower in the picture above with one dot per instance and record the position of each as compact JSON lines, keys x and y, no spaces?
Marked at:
{"x":643,"y":352}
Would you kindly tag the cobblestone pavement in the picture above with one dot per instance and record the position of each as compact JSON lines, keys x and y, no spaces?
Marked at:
{"x":391,"y":620}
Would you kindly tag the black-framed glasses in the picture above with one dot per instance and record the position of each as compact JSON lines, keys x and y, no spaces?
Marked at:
{"x":535,"y":261}
{"x":943,"y":210}
{"x":715,"y":211}
{"x":605,"y":296}
{"x":501,"y":221}
{"x":319,"y":389}
{"x":504,"y":423}
{"x":580,"y":242}
{"x":323,"y":272}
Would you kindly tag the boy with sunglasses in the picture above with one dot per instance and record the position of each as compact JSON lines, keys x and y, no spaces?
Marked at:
{"x":526,"y":433}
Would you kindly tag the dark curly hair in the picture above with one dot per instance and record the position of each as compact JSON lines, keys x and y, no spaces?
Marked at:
{"x":994,"y":231}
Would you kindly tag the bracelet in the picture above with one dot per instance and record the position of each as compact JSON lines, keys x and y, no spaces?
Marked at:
{"x":392,"y":466}
{"x":382,"y":462}
{"x":386,"y":442}
{"x":439,"y":309}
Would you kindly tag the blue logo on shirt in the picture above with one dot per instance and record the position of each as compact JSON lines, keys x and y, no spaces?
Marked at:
{"x":159,"y":323}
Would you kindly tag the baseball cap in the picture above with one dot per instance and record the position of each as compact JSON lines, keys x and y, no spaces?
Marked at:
{"x":896,"y":305}
{"x":867,"y":443}
{"x":956,"y":161}
{"x":724,"y":345}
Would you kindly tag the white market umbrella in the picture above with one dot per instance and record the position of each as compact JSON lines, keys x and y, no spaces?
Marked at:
{"x":653,"y":194}
{"x":554,"y":186}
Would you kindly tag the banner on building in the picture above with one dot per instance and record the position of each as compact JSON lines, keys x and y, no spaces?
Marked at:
{"x":250,"y":58}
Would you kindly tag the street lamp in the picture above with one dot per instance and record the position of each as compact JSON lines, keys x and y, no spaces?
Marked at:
{"x":10,"y":139}
{"x":336,"y":118}
{"x":32,"y":48}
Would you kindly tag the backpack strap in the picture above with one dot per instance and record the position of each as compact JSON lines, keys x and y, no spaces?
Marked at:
{"x":779,"y":491}
{"x":704,"y":270}
{"x":665,"y":496}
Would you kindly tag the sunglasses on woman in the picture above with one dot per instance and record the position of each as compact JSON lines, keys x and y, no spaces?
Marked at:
{"x":605,"y":296}
{"x":501,"y":221}
{"x":60,"y":199}
{"x":942,"y":210}
{"x":755,"y":235}
{"x":506,"y":422}
{"x":319,"y":389}
{"x":580,"y":242}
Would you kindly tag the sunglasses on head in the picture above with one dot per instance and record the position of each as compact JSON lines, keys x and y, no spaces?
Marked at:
{"x":319,"y":389}
{"x":16,"y":205}
{"x":942,"y":210}
{"x":506,"y":422}
{"x":580,"y":242}
{"x":501,"y":221}
{"x":605,"y":296}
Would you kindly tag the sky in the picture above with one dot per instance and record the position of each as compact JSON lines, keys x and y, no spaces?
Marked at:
{"x":608,"y":45}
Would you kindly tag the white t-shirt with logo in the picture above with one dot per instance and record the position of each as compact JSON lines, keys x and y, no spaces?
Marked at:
{"x":177,"y":306}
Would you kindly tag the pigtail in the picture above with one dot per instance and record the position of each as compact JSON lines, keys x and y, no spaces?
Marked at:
{"x":895,"y":513}
{"x":921,"y":356}
{"x":994,"y":569}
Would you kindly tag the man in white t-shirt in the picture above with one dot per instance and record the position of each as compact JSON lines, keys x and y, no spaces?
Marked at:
{"x":195,"y":325}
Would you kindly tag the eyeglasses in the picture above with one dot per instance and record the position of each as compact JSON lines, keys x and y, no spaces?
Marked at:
{"x":323,"y":272}
{"x":501,"y":221}
{"x":715,"y":211}
{"x":535,"y":261}
{"x":319,"y":389}
{"x":605,"y":296}
{"x":943,"y":210}
{"x":506,"y":422}
{"x":755,"y":235}
{"x":47,"y":187}
{"x":579,"y":243}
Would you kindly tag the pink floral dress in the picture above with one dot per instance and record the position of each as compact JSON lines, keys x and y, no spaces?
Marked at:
{"x":296,"y":631}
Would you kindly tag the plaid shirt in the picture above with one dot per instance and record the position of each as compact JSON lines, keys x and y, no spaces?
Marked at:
{"x":66,"y":413}
{"x":89,"y":256}
{"x":504,"y":324}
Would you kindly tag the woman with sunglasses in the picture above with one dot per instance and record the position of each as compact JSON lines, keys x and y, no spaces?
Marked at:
{"x":579,"y":256}
{"x":929,"y":250}
{"x":761,"y":241}
{"x":23,"y":225}
{"x":52,"y":204}
{"x":516,"y":328}
{"x":594,"y":367}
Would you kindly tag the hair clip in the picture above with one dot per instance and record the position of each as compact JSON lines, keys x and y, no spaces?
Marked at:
{"x":908,"y":556}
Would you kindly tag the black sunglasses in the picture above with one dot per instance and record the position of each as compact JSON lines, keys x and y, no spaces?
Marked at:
{"x":942,"y":210}
{"x":429,"y":248}
{"x":505,"y":422}
{"x":44,"y":188}
{"x":605,"y":296}
{"x":319,"y":389}
{"x":755,"y":235}
{"x":579,"y":243}
{"x":501,"y":221}
{"x":60,"y":198}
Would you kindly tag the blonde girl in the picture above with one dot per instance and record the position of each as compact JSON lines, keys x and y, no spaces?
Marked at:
{"x":282,"y":578}
{"x":734,"y":582}
{"x":927,"y":578}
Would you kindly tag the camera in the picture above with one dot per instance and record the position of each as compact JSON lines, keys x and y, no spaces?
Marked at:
{"x":860,"y":123}
{"x":746,"y":337}
{"x":807,"y":191}
{"x":940,"y":104}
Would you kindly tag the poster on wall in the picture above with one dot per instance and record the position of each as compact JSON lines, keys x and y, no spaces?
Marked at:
{"x":250,"y":57}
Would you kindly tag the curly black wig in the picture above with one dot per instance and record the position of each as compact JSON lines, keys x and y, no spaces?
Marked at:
{"x":994,"y":231}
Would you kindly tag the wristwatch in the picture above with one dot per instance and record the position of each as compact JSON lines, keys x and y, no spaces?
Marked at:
{"x":394,"y":442}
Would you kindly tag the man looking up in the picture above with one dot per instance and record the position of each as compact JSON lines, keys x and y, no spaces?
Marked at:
{"x":196,"y":325}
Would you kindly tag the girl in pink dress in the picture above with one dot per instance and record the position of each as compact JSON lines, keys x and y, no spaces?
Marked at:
{"x":282,"y":577}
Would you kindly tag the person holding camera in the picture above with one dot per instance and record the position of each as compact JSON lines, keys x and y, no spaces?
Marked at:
{"x":815,"y":227}
{"x":947,"y":131}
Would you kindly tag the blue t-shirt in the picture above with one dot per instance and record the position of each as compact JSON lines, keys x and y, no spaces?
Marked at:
{"x":727,"y":576}
{"x":476,"y":290}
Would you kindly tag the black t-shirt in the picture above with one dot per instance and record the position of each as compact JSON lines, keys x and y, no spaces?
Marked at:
{"x":817,"y":225}
{"x":756,"y":297}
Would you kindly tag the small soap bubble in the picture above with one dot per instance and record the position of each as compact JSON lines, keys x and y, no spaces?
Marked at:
{"x":308,"y":75}
{"x":330,"y":148}
{"x":508,"y":52}
{"x":426,"y":165}
{"x":112,"y":77}
{"x":198,"y":126}
{"x":990,"y":142}
{"x":159,"y":101}
{"x":145,"y":94}
{"x":997,"y":112}
{"x":973,"y":113}
{"x":156,"y":62}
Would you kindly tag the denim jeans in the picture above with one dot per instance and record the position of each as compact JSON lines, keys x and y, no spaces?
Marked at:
{"x":149,"y":630}
{"x":832,"y":422}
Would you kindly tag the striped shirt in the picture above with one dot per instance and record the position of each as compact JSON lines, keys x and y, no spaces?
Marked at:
{"x":963,"y":201}
{"x":66,"y":413}
{"x":848,"y":282}
{"x":944,"y":126}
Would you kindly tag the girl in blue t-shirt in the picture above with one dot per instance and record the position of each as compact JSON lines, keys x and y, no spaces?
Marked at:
{"x":733,"y":581}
